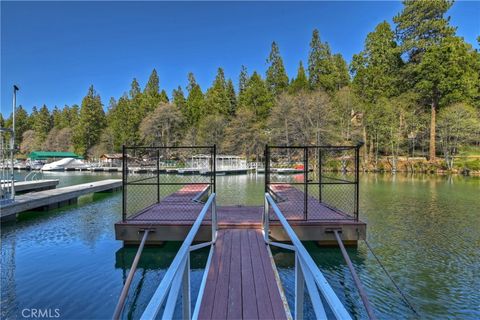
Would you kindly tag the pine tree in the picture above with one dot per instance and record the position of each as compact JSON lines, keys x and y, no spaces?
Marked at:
{"x":123,"y":126}
{"x":153,"y":85}
{"x":242,"y":79}
{"x":73,"y":115}
{"x":42,"y":124}
{"x":257,"y":97}
{"x":134,"y":88}
{"x":232,"y":97}
{"x":449,"y":73}
{"x":21,"y":123}
{"x":56,"y":117}
{"x":300,"y":83}
{"x":33,"y":115}
{"x":179,"y":98}
{"x":321,"y":69}
{"x":276,"y":79}
{"x":216,"y":99}
{"x":152,"y":96}
{"x":195,"y":101}
{"x":164,"y":97}
{"x":420,"y":26}
{"x":90,"y":124}
{"x":376,"y":68}
{"x":341,"y":77}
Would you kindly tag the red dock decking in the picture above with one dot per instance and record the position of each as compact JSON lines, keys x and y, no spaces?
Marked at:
{"x":241,"y":281}
{"x":179,"y":205}
{"x":174,"y":215}
{"x":292,"y":205}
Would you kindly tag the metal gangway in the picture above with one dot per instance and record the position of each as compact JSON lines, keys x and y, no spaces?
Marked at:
{"x":308,"y":277}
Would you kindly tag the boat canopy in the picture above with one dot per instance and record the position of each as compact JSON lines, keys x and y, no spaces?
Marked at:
{"x":49,"y":155}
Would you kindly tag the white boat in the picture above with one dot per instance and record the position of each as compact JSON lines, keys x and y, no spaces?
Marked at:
{"x":34,"y":165}
{"x":64,"y":164}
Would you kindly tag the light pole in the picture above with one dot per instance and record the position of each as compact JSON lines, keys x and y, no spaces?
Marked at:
{"x":12,"y":139}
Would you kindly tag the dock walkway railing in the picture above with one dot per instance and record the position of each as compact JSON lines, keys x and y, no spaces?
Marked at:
{"x":178,"y":274}
{"x":306,"y":271}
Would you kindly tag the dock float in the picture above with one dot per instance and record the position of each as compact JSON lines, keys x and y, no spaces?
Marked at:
{"x":33,"y":185}
{"x":240,"y":278}
{"x":173,"y":216}
{"x":55,"y":198}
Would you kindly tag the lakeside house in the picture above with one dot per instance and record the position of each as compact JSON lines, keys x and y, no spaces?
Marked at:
{"x":111,"y":159}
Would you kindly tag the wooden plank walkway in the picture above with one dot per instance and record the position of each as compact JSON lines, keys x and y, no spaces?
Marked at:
{"x":56,"y":197}
{"x":33,"y":185}
{"x":241,"y":282}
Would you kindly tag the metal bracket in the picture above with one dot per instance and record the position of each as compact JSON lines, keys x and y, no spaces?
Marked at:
{"x":332,"y":230}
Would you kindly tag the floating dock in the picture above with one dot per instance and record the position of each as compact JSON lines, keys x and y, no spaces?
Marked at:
{"x":49,"y":199}
{"x":240,"y":278}
{"x":34,"y":185}
{"x":172,"y":218}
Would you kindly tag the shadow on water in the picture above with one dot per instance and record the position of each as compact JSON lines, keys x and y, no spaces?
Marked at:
{"x":155,"y":260}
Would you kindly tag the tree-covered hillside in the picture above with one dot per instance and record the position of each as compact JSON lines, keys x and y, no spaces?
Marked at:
{"x":414,"y":89}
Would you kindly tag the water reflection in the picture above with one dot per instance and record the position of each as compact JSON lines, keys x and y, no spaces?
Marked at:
{"x":425,"y":229}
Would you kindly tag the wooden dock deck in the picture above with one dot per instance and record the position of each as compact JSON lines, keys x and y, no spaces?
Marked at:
{"x":56,"y":197}
{"x":292,"y":200}
{"x":33,"y":185}
{"x":241,"y":281}
{"x":172,"y":218}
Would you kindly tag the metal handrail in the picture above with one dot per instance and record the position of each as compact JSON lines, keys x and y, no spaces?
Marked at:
{"x":33,"y":174}
{"x":356,"y":279}
{"x":126,"y":286}
{"x":178,"y":274}
{"x":306,"y":271}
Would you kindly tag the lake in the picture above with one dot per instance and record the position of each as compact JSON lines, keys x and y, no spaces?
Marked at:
{"x":425,"y":230}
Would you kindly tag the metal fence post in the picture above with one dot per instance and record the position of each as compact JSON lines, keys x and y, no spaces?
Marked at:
{"x":299,"y":288}
{"x":124,"y":189}
{"x":305,"y":178}
{"x":214,"y":159}
{"x":357,"y":166}
{"x":267,"y":162}
{"x":214,"y":220}
{"x":320,"y":174}
{"x":158,"y":175}
{"x":266,"y":219}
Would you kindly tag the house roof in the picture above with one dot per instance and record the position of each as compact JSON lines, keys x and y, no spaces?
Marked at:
{"x":39,"y":155}
{"x":112,"y":156}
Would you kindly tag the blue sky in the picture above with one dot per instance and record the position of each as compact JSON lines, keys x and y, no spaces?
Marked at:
{"x":55,"y":50}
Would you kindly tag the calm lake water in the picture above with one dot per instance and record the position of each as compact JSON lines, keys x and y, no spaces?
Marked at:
{"x":425,"y":230}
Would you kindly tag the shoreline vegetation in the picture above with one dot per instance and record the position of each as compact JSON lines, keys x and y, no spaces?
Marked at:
{"x":469,"y":165}
{"x":414,"y":89}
